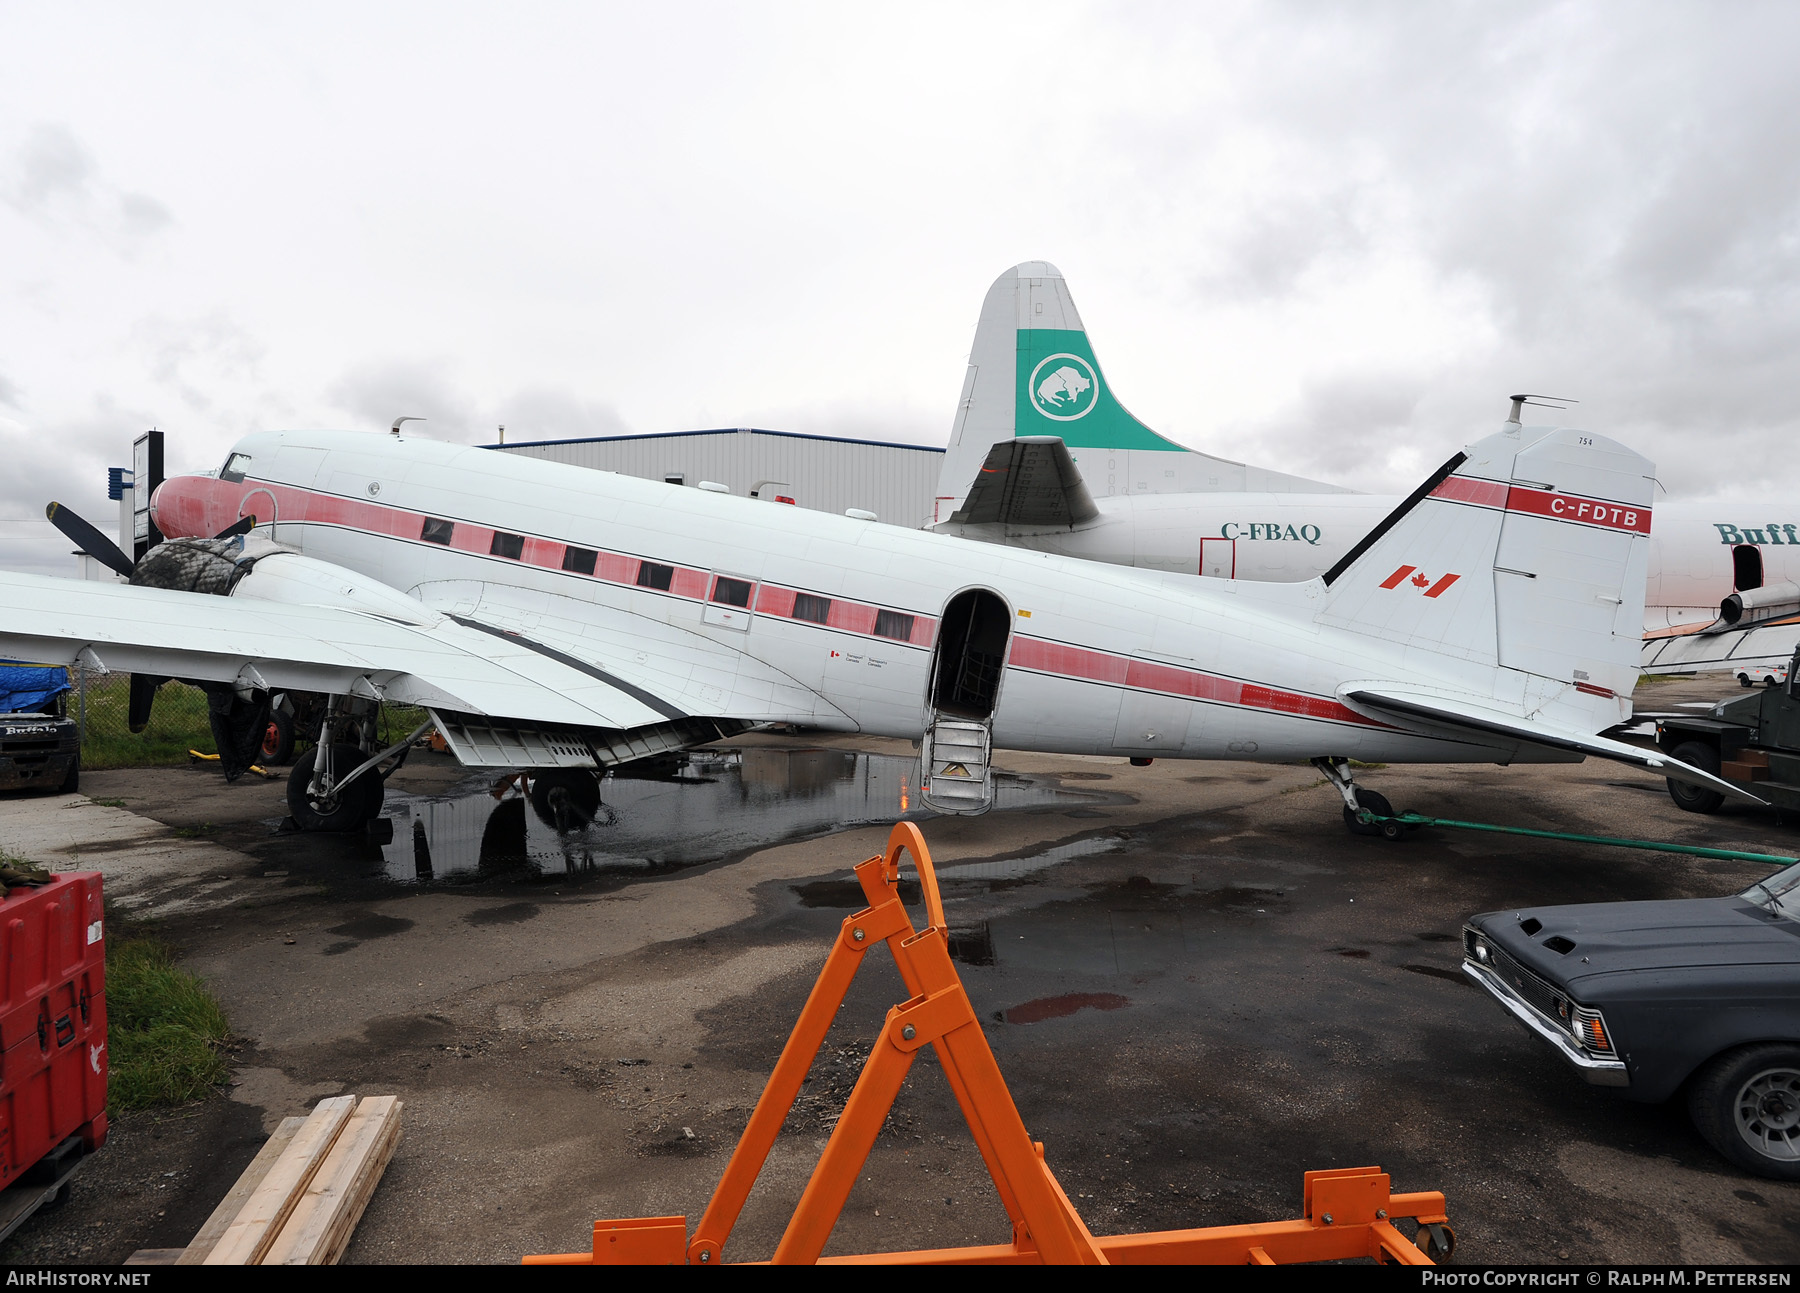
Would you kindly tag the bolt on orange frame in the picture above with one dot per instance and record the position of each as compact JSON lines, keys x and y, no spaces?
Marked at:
{"x":1347,"y":1213}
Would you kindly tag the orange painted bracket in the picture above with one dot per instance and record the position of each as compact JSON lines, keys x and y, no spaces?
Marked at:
{"x":1348,"y":1213}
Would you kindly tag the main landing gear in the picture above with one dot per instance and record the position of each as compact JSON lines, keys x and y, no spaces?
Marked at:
{"x":340,"y":783}
{"x":1358,"y":802}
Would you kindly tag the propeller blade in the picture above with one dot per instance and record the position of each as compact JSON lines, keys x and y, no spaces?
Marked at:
{"x":243,"y":525}
{"x":88,"y":539}
{"x":143,"y":695}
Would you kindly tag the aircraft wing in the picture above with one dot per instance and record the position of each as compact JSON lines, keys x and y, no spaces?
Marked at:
{"x":1772,"y":642}
{"x":1029,"y":482}
{"x":464,"y":667}
{"x":1436,"y":715}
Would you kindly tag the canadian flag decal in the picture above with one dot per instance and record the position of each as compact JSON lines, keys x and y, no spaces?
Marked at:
{"x":1420,"y":580}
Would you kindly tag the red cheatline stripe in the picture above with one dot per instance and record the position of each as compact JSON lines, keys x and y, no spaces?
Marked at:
{"x":1593,"y":690}
{"x":1393,"y":580}
{"x":1575,"y":508}
{"x":1143,"y":675}
{"x":1441,"y":585}
{"x":201,"y":505}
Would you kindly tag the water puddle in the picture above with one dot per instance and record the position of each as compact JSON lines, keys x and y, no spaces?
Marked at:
{"x":689,"y":809}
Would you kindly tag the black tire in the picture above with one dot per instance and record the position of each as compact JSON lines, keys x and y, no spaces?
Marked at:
{"x":1696,"y":799}
{"x":1743,"y":680}
{"x":1371,"y":802}
{"x":1746,"y":1103}
{"x":278,"y":741}
{"x":72,"y":779}
{"x":1770,"y":681}
{"x":359,"y":803}
{"x":565,"y":799}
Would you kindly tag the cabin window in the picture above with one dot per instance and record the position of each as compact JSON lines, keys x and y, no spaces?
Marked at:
{"x":510,"y":546}
{"x":816,"y":610}
{"x":579,"y":560}
{"x":732,"y":592}
{"x":437,"y":531}
{"x":651,"y":575}
{"x":892,"y":624}
{"x":235,"y":467}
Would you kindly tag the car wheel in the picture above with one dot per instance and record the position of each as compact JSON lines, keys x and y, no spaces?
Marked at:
{"x":1370,"y":802}
{"x":1746,"y":1103}
{"x":1743,"y":680}
{"x":278,"y":740}
{"x":1696,"y":799}
{"x":1770,"y":681}
{"x":359,"y":802}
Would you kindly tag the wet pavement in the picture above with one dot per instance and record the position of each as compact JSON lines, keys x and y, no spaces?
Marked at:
{"x":1196,"y":983}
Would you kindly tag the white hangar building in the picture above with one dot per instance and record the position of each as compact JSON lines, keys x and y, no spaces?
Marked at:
{"x":894,"y":481}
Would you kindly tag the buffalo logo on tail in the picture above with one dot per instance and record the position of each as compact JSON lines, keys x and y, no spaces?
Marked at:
{"x":1064,"y":387}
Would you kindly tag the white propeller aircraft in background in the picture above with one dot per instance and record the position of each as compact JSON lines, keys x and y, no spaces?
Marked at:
{"x":1044,"y":456}
{"x":553,"y":617}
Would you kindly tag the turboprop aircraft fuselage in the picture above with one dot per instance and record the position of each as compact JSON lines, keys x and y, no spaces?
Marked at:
{"x":1086,"y":658}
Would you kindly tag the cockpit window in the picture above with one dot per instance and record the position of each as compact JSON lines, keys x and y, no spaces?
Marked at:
{"x":235,"y":467}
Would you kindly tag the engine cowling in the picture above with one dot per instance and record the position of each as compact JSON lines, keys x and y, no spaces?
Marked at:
{"x":1754,"y":605}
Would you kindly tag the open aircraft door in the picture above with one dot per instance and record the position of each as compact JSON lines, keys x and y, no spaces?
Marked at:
{"x":966,"y":668}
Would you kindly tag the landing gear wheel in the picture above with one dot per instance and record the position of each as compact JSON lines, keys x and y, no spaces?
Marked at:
{"x":357,"y":803}
{"x":1746,"y":1103}
{"x":1373,"y":803}
{"x":565,"y":799}
{"x":278,"y":740}
{"x":1696,"y":799}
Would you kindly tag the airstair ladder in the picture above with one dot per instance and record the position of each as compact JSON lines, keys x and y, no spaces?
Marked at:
{"x":955,"y":775}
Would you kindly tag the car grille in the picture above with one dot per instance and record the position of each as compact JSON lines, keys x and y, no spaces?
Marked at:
{"x":1549,"y":1003}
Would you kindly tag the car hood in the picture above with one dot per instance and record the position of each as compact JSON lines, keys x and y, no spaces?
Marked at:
{"x":1616,"y":937}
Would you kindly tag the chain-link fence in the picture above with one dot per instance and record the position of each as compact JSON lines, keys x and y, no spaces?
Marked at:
{"x":100,"y":704}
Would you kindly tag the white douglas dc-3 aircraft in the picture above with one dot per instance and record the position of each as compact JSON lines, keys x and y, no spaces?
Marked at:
{"x":1044,"y":456}
{"x":560,"y":618}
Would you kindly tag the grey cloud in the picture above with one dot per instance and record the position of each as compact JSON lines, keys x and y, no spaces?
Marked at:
{"x":56,"y":181}
{"x":63,"y":461}
{"x":142,"y":215}
{"x":546,"y":413}
{"x":376,"y":393}
{"x":9,"y":392}
{"x":191,"y":356}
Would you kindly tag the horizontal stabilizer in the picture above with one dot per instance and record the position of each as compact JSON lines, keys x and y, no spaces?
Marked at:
{"x":1028,"y":483}
{"x":1436,"y":715}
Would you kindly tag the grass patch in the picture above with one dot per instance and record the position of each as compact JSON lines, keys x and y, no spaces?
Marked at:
{"x":164,"y":1032}
{"x":177,"y":724}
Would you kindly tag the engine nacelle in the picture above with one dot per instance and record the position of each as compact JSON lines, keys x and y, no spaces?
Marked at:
{"x":1754,"y":605}
{"x":266,"y":571}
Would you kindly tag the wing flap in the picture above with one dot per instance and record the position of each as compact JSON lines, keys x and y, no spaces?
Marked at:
{"x":1435,"y":715}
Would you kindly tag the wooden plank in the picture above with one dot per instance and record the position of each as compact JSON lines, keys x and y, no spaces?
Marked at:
{"x":319,"y":1229}
{"x":209,"y":1234}
{"x":256,"y":1225}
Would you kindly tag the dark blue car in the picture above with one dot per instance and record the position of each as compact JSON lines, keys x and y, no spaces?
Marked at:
{"x":1699,"y":997}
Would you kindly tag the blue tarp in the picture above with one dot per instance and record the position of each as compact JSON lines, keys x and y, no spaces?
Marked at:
{"x":26,"y":688}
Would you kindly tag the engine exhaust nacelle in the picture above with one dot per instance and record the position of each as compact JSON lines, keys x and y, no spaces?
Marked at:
{"x":1754,"y":605}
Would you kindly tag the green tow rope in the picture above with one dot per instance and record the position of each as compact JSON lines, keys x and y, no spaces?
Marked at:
{"x":1415,"y":819}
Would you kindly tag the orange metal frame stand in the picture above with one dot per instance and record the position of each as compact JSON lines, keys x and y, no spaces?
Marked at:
{"x":1347,"y":1213}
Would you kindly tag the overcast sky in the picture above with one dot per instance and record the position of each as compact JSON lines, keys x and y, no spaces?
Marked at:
{"x":1330,"y":239}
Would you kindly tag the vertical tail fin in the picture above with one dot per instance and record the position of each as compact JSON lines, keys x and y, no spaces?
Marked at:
{"x":1527,"y":554}
{"x":1033,"y":373}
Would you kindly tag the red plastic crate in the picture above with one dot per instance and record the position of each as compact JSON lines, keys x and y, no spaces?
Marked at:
{"x":52,"y":1020}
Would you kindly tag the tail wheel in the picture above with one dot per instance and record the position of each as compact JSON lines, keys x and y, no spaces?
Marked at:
{"x":348,"y":809}
{"x":278,"y":739}
{"x":1373,"y":803}
{"x":1437,"y":1242}
{"x":1696,"y":799}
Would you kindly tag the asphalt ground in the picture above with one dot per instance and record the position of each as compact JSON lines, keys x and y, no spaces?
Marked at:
{"x":1197,"y":984}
